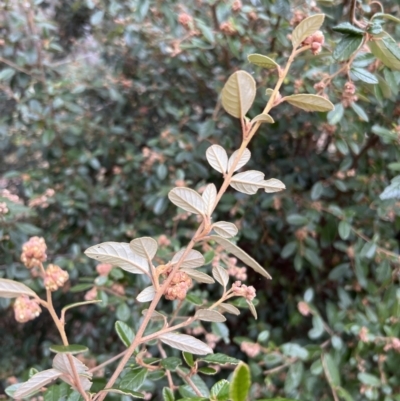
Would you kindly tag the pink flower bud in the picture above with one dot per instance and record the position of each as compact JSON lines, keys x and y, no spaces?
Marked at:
{"x":103,"y":269}
{"x":55,"y":277}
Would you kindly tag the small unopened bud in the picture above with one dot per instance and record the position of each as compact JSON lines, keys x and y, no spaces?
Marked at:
{"x":91,"y":295}
{"x":303,"y":308}
{"x":103,"y":269}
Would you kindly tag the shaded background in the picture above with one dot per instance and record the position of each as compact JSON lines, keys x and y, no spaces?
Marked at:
{"x":105,"y":106}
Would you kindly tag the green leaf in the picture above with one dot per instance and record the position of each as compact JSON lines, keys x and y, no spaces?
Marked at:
{"x":293,"y":377}
{"x":81,"y":287}
{"x":336,"y":115}
{"x":188,"y":357}
{"x":346,"y":27}
{"x":13,"y":289}
{"x":168,"y":394}
{"x":384,"y":133}
{"x":309,"y":102}
{"x":368,"y":250}
{"x":263,"y":118}
{"x":205,"y":30}
{"x":262,"y":61}
{"x":125,"y":333}
{"x":97,"y":17}
{"x":363,"y":75}
{"x":297,"y":220}
{"x":220,"y":359}
{"x":207,"y":371}
{"x":240,"y":384}
{"x":316,"y":191}
{"x":6,"y":74}
{"x":220,"y":391}
{"x":331,"y":369}
{"x":171,"y":363}
{"x":380,"y":50}
{"x":347,"y":47}
{"x":134,"y":379}
{"x":294,"y":350}
{"x":68,"y":349}
{"x":306,"y":28}
{"x":238,"y":94}
{"x":124,"y":391}
{"x":344,"y":394}
{"x":369,"y":380}
{"x":344,"y":229}
{"x":77,"y":304}
{"x":360,"y":112}
{"x":289,"y":249}
{"x":194,"y":299}
{"x":387,"y":16}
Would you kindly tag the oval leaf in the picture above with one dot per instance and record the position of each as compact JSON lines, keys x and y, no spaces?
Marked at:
{"x":192,"y":260}
{"x":306,"y":28}
{"x":239,"y":253}
{"x":145,"y":247}
{"x":118,"y":254}
{"x":381,"y":50}
{"x":247,"y":182}
{"x":309,"y":102}
{"x":273,"y":185}
{"x":147,"y":294}
{"x":229,"y":308}
{"x":221,"y":275}
{"x":263,"y":118}
{"x":209,"y":315}
{"x":225,"y":229}
{"x":187,"y":199}
{"x":209,"y":196}
{"x":68,"y":349}
{"x":363,"y":75}
{"x":242,"y":161}
{"x":240,"y":384}
{"x":13,"y":289}
{"x":61,"y":362}
{"x":36,"y":382}
{"x":217,"y":157}
{"x":238,"y":94}
{"x":262,"y":61}
{"x":198,"y":276}
{"x":186,"y":343}
{"x":125,"y":333}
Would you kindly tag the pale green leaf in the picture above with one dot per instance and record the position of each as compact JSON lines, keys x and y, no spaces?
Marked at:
{"x":263,"y":118}
{"x":240,"y":384}
{"x":238,"y":94}
{"x":187,"y":199}
{"x":309,"y":102}
{"x":186,"y":343}
{"x":262,"y":61}
{"x":13,"y":289}
{"x":145,"y":247}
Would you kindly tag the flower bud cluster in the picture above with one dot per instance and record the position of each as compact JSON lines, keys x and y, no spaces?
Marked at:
{"x":316,"y":40}
{"x":185,"y":20}
{"x":250,"y":349}
{"x":103,"y":269}
{"x":3,"y":208}
{"x":348,"y":96}
{"x":34,"y":252}
{"x":26,"y":309}
{"x":55,"y":277}
{"x":242,"y":290}
{"x":178,"y":286}
{"x":240,"y":273}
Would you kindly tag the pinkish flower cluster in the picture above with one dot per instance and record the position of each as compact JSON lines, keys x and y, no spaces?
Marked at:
{"x":150,"y":157}
{"x":91,"y":295}
{"x":26,"y":309}
{"x":178,"y":287}
{"x":42,"y":200}
{"x":240,"y":273}
{"x":250,"y":349}
{"x":3,"y":208}
{"x":55,"y":277}
{"x":163,"y":240}
{"x":348,"y":96}
{"x":5,"y":193}
{"x":212,"y":339}
{"x":242,"y":290}
{"x":227,"y":28}
{"x":316,"y":40}
{"x":394,"y":343}
{"x":103,"y":269}
{"x":34,"y":252}
{"x":119,"y":289}
{"x":237,"y":5}
{"x":185,"y":20}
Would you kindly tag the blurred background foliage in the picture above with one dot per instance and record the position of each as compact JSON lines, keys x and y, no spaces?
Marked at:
{"x":105,"y":105}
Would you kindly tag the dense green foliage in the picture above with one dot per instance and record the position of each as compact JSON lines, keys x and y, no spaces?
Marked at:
{"x":110,"y":104}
